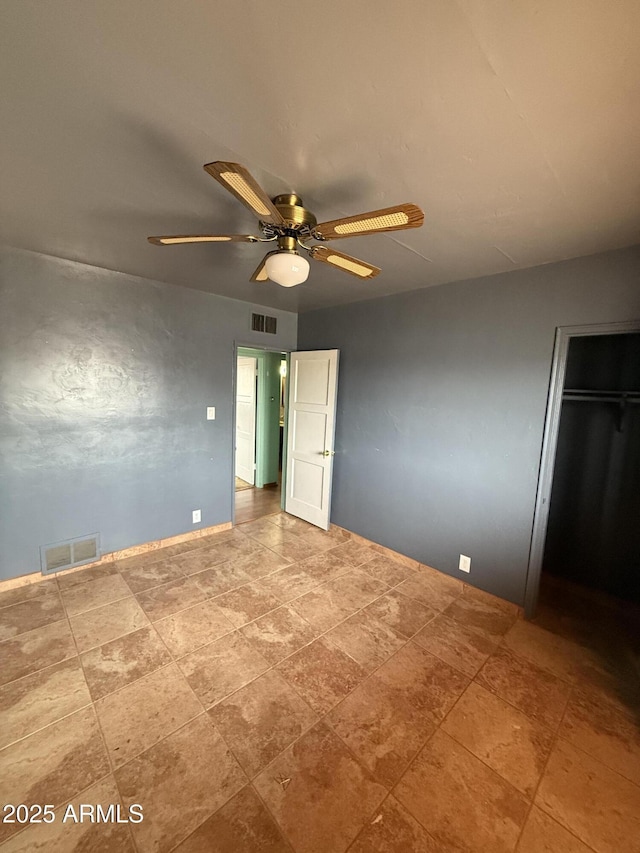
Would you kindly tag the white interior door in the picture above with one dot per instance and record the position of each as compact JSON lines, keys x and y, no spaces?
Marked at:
{"x":246,"y":419}
{"x":313,"y":386}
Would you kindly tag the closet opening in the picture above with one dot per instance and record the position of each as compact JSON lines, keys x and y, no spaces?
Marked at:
{"x":584,"y":571}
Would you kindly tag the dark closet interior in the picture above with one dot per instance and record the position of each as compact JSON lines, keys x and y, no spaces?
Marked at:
{"x":593,"y":534}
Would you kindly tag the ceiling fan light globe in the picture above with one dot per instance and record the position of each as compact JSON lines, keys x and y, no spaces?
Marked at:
{"x":287,"y":268}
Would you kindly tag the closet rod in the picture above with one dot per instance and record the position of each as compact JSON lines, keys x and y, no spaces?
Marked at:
{"x":621,"y":398}
{"x":601,"y":396}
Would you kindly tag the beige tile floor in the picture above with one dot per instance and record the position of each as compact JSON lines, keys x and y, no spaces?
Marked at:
{"x":277,"y":688}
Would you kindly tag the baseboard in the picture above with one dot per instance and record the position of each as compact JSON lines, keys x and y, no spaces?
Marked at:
{"x":380,"y":549}
{"x":134,"y":551}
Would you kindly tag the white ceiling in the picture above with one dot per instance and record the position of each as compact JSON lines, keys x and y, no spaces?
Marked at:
{"x":514,"y":124}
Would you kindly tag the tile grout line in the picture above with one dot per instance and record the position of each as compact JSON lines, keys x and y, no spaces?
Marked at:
{"x":541,"y":777}
{"x":394,"y":787}
{"x":183,"y":725}
{"x":205,"y":711}
{"x":53,"y":722}
{"x":320,"y":719}
{"x":379,"y":809}
{"x":481,"y":760}
{"x":45,"y":594}
{"x":251,"y":779}
{"x":272,"y":816}
{"x":597,"y":761}
{"x":42,"y":668}
{"x":126,"y":633}
{"x":135,"y":681}
{"x":530,"y":802}
{"x":507,"y":701}
{"x":569,"y":682}
{"x":91,"y":609}
{"x":249,"y":784}
{"x":96,"y":717}
{"x":423,"y":746}
{"x":24,"y":828}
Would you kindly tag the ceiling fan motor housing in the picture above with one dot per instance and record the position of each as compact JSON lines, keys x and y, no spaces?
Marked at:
{"x":295,"y":215}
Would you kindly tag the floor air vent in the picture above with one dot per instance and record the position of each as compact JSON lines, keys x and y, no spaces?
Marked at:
{"x":73,"y":552}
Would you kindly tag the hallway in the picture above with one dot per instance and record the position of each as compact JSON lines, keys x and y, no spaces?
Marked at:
{"x":252,"y":503}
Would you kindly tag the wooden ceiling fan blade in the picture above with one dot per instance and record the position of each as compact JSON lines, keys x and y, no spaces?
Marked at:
{"x":246,"y":189}
{"x":349,"y":264}
{"x":202,"y":238}
{"x":260,"y":272}
{"x":387,"y":219}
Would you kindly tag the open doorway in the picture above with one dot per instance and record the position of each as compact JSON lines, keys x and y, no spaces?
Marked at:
{"x":259,"y":432}
{"x":606,"y":362}
{"x":584,"y":572}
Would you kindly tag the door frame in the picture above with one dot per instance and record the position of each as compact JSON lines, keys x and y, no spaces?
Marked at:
{"x":252,"y":478}
{"x":563,"y":337}
{"x":234,"y":385}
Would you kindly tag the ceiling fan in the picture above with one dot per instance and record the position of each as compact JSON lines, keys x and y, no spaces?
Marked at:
{"x":285,"y":221}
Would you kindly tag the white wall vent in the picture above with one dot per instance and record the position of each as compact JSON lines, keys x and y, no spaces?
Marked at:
{"x":72,"y":552}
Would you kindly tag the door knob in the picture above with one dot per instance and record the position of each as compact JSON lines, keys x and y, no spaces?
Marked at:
{"x":329,"y":453}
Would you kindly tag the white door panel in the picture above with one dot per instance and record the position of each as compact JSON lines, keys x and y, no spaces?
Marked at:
{"x":246,"y":419}
{"x":308,"y":427}
{"x":312,"y":382}
{"x":308,"y":480}
{"x":311,"y":428}
{"x":244,"y":416}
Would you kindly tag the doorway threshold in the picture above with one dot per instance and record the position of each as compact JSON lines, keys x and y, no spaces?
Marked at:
{"x":255,"y":503}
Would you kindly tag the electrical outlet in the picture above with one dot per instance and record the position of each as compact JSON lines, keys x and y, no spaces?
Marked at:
{"x":211,"y":413}
{"x":196,"y":516}
{"x":465,"y":563}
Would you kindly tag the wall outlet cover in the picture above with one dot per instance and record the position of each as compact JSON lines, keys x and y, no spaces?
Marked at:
{"x":465,"y":563}
{"x":196,"y":515}
{"x":211,"y":413}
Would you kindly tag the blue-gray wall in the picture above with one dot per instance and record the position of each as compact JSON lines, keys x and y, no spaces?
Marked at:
{"x":104,"y":383}
{"x":441,"y":406}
